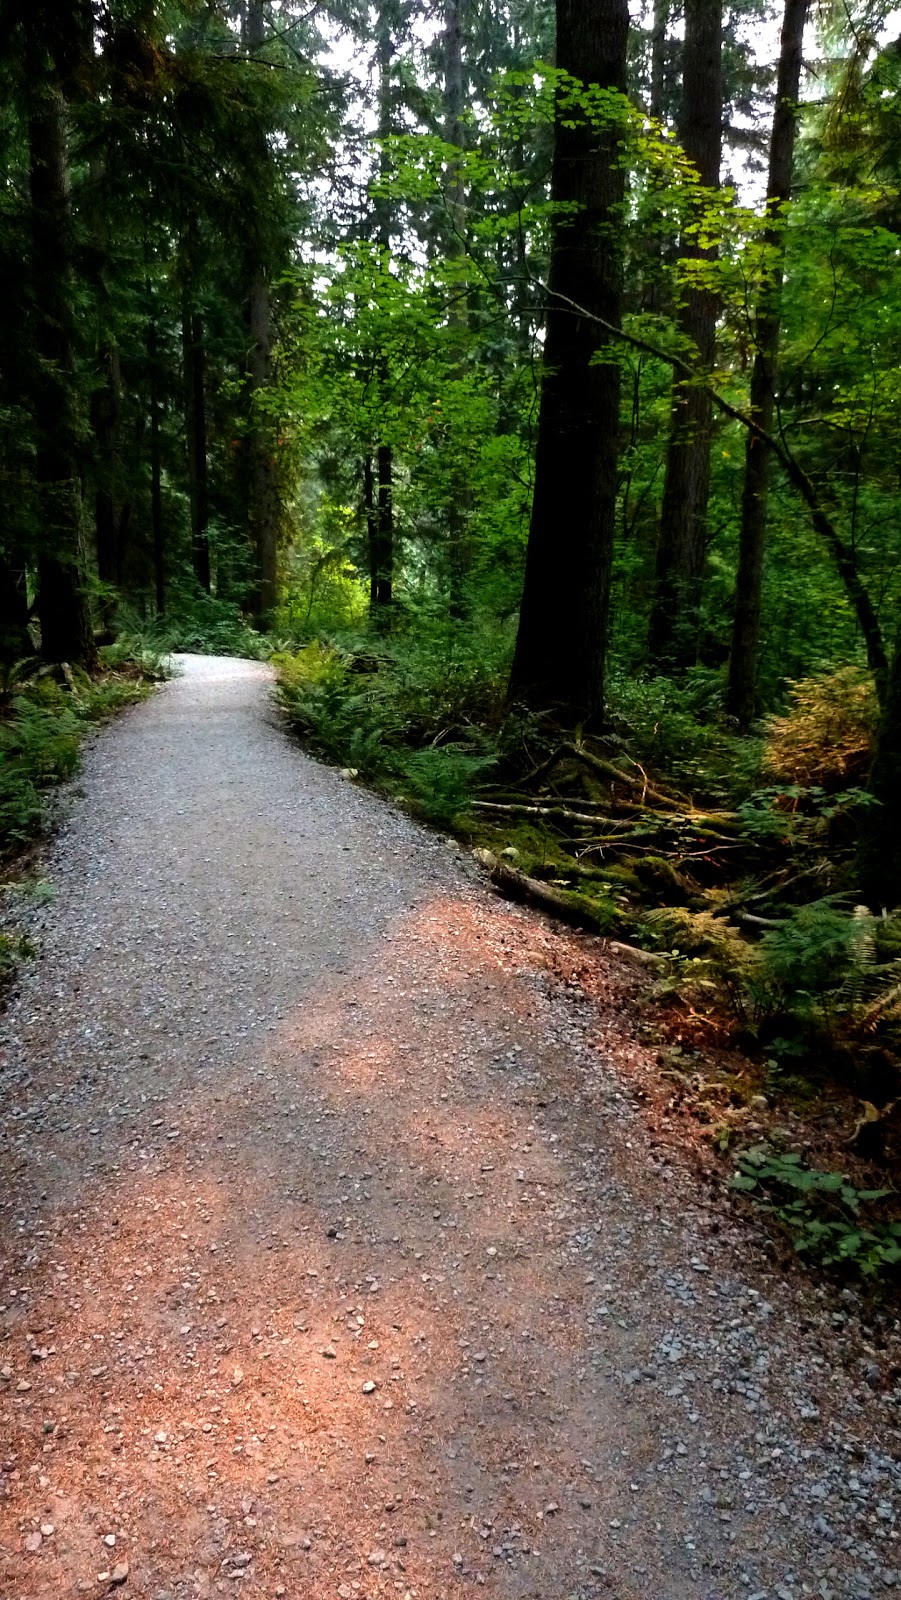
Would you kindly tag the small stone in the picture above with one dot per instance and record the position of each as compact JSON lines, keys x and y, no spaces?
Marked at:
{"x":369,"y":1387}
{"x":329,"y":1352}
{"x":22,"y":1387}
{"x":109,"y":1539}
{"x":33,"y":1542}
{"x":759,"y":1102}
{"x":48,"y":1530}
{"x":119,"y":1574}
{"x":376,"y":1558}
{"x":237,"y":1377}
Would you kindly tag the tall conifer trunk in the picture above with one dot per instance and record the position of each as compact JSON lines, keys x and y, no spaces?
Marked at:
{"x":196,"y":439}
{"x":743,"y":662}
{"x":263,"y":490}
{"x":63,"y":607}
{"x":455,"y":251}
{"x":156,"y":474}
{"x":562,"y":640}
{"x":672,"y":634}
{"x":382,"y":574}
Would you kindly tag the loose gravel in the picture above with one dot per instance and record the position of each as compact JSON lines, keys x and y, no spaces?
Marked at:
{"x":340,"y":1257}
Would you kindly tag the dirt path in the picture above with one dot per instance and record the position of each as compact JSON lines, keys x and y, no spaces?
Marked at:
{"x":339,"y":1259}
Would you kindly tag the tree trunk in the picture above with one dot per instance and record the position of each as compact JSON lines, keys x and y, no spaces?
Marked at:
{"x":382,"y":587}
{"x":879,"y":854}
{"x":656,"y":98}
{"x":372,"y":528}
{"x":263,"y":482}
{"x":455,"y":199}
{"x":156,"y":476}
{"x":15,"y":641}
{"x":562,"y":640}
{"x":63,"y":607}
{"x":110,"y":516}
{"x":195,"y":431}
{"x":672,"y":634}
{"x":743,"y":662}
{"x":263,"y":490}
{"x":384,"y":561}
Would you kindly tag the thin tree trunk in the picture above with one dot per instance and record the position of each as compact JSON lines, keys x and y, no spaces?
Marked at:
{"x":372,"y":528}
{"x":743,"y":662}
{"x":110,"y":517}
{"x":562,"y":640}
{"x":195,"y":430}
{"x":383,"y":589}
{"x":455,"y":196}
{"x":63,"y":607}
{"x":658,"y":58}
{"x":879,"y":853}
{"x":156,"y":476}
{"x":263,"y":484}
{"x":681,"y":550}
{"x":263,"y":490}
{"x":15,"y":641}
{"x":384,"y":565}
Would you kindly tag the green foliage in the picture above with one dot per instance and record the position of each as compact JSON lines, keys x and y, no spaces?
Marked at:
{"x":202,"y":624}
{"x":441,"y":781}
{"x":677,"y":727}
{"x":42,"y":725}
{"x":413,"y":712}
{"x":827,"y":735}
{"x":828,"y":1218}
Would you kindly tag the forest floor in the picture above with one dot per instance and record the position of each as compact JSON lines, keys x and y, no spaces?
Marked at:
{"x":347,"y":1250}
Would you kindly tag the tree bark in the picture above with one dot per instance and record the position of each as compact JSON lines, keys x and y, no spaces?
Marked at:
{"x":263,"y":491}
{"x":656,"y":98}
{"x":744,"y":658}
{"x":382,"y":588}
{"x":156,"y":475}
{"x":879,"y":853}
{"x":196,"y":436}
{"x":384,"y":560}
{"x":109,"y":513}
{"x":681,"y":550}
{"x":15,"y":641}
{"x":455,"y":251}
{"x":562,"y":639}
{"x":372,"y":528}
{"x":63,"y":606}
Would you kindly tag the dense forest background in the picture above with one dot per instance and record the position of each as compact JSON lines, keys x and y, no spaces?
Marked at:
{"x":524,"y":378}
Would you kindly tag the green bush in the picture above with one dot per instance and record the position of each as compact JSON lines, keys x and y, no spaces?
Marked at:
{"x":441,"y":781}
{"x":827,"y":1217}
{"x":42,"y":721}
{"x":417,"y":715}
{"x":201,"y":624}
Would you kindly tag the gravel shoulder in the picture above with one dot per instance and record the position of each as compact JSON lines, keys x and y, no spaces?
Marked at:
{"x":338,"y":1253}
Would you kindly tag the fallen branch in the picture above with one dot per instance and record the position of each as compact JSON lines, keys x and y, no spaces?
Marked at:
{"x":557,"y":813}
{"x":515,"y":885}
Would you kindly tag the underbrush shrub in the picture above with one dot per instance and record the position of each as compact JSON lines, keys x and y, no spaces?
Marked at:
{"x":826,"y":737}
{"x":676,"y":727}
{"x":44,"y":715}
{"x":201,"y":624}
{"x":419,"y":715}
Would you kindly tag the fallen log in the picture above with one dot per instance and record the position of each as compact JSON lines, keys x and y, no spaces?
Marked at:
{"x":555,"y":813}
{"x":515,"y":885}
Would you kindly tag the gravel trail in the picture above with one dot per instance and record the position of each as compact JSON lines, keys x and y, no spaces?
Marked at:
{"x":339,"y":1255}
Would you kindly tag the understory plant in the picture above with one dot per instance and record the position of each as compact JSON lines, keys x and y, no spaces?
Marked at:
{"x":827,"y":1217}
{"x":44,"y":714}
